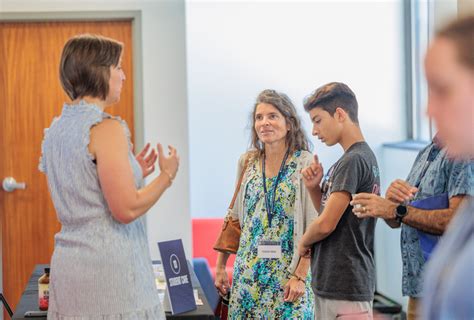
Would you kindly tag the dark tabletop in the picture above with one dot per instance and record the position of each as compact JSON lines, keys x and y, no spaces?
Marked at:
{"x":29,"y":299}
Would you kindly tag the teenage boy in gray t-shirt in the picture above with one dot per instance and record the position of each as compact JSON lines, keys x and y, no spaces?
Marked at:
{"x":341,"y":245}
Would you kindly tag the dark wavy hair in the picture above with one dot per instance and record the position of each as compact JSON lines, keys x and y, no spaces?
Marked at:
{"x":296,"y":138}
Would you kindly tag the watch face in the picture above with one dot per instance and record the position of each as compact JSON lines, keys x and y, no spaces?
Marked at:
{"x":401,"y":210}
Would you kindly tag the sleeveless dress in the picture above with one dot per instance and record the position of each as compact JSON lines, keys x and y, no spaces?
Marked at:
{"x":100,"y":268}
{"x":258,"y":284}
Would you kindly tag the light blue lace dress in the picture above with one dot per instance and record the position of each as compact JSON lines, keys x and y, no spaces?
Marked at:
{"x":100,"y":268}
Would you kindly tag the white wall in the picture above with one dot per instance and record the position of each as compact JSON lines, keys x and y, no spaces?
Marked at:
{"x":396,"y":164}
{"x":164,"y":96}
{"x":237,"y":49}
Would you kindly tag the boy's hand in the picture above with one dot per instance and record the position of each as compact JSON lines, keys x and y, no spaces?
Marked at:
{"x":304,"y":250}
{"x":313,"y":174}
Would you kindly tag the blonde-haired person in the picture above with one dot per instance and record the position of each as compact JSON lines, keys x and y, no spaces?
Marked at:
{"x":449,"y":66}
{"x":101,"y":265}
{"x":274,"y":209}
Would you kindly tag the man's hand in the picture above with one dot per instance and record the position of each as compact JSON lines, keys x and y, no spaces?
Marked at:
{"x":371,"y":205}
{"x":400,"y":191}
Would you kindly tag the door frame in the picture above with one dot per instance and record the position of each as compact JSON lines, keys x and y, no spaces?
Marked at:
{"x":135,"y":16}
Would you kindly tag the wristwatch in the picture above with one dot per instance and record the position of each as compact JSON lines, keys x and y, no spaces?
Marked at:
{"x":400,"y":212}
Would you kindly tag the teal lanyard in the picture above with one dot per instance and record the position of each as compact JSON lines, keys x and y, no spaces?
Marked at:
{"x":271,"y":204}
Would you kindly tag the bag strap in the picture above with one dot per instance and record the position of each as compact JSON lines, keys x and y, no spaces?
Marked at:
{"x":237,"y":187}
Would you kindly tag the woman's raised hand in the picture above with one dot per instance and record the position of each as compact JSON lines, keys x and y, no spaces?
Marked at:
{"x":168,"y":164}
{"x":146,"y":159}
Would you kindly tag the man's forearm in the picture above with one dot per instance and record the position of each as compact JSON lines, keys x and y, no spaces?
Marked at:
{"x":432,"y":221}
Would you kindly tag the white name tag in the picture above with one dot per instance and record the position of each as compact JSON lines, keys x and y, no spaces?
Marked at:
{"x":269,"y":249}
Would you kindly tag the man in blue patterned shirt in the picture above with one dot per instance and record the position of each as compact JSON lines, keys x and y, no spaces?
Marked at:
{"x":432,"y":174}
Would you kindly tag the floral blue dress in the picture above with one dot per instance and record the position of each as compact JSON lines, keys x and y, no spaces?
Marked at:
{"x":258,"y":284}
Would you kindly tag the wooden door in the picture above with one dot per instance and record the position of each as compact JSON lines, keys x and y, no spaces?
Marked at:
{"x":30,"y":96}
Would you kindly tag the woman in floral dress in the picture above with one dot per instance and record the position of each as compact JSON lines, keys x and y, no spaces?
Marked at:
{"x":270,"y":280}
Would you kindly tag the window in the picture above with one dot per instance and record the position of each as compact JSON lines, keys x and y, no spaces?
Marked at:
{"x":419,"y":29}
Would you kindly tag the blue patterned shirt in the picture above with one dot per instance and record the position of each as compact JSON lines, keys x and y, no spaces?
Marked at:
{"x":443,"y":175}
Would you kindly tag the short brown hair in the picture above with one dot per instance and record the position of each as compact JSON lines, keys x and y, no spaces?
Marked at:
{"x":461,"y":33}
{"x":331,"y":96}
{"x":85,"y":64}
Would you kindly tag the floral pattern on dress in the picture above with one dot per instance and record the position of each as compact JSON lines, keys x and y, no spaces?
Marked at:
{"x":258,"y":284}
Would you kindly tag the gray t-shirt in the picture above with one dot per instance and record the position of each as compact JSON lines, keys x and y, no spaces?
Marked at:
{"x":342,"y":265}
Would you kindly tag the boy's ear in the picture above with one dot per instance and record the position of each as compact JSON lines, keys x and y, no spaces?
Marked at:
{"x":340,"y":114}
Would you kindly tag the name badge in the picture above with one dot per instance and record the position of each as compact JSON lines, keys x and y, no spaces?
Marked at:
{"x":269,"y":249}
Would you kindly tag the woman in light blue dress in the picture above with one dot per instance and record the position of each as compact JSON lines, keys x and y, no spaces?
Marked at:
{"x":101,"y":265}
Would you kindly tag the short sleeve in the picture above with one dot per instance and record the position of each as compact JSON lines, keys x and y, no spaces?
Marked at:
{"x":348,"y":174}
{"x":42,"y":160}
{"x":460,"y":178}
